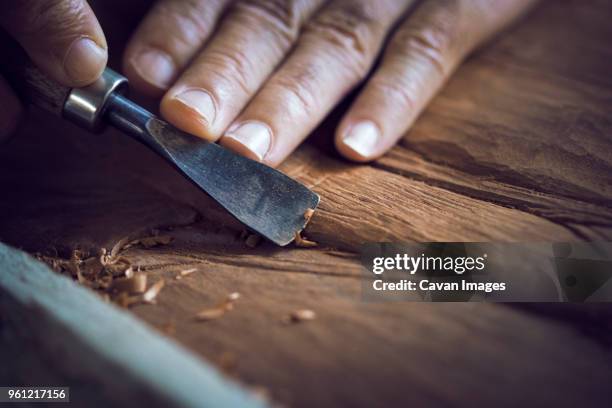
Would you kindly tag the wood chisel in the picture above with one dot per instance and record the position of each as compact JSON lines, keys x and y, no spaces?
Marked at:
{"x":264,"y":199}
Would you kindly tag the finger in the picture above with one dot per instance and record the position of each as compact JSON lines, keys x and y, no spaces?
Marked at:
{"x":10,"y":112}
{"x":165,"y":41}
{"x":334,"y":53}
{"x":419,"y":59}
{"x":63,"y":38}
{"x":250,"y":43}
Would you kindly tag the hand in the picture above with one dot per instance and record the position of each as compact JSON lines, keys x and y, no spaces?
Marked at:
{"x":62,"y":37}
{"x":273,"y":70}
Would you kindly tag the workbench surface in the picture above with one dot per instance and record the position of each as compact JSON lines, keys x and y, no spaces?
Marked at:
{"x":516,"y":147}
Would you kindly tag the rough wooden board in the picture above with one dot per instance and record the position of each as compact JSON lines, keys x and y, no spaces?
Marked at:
{"x":570,"y":213}
{"x":363,"y":204}
{"x":554,"y":35}
{"x":364,"y":354}
{"x":63,"y":335}
{"x":552,"y":138}
{"x":516,"y":147}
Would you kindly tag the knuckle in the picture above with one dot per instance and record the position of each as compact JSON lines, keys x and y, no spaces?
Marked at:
{"x":425,"y":43}
{"x":190,"y":21}
{"x":233,"y":67}
{"x":429,"y":36}
{"x":284,"y":16}
{"x":34,"y":18}
{"x":398,"y":90}
{"x":350,"y":29}
{"x":298,"y":88}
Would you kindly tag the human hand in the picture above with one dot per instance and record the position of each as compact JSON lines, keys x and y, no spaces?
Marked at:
{"x":62,"y":37}
{"x":272,"y":70}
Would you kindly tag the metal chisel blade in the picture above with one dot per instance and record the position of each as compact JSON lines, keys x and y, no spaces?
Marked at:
{"x":266,"y":200}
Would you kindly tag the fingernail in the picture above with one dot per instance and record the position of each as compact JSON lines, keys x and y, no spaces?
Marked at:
{"x":363,"y":138}
{"x":84,"y":60}
{"x":155,"y":67}
{"x":254,"y":136}
{"x":199,"y":101}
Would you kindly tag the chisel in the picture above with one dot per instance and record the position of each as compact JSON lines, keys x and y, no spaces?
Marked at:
{"x":264,"y":199}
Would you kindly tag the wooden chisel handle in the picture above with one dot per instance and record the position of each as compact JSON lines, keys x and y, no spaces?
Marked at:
{"x":35,"y":88}
{"x":83,"y":106}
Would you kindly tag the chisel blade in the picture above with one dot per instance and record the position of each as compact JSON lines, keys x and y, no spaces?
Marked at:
{"x":266,"y":200}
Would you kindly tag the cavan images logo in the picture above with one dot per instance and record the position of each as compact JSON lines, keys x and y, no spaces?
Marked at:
{"x":498,"y":272}
{"x":442,"y":272}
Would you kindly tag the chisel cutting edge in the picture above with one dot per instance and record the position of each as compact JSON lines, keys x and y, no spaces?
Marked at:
{"x":264,"y":199}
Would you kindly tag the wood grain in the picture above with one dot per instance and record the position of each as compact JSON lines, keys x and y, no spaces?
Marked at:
{"x":516,"y":147}
{"x":356,"y":353}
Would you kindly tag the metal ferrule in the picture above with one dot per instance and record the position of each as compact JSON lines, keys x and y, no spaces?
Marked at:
{"x":85,"y":106}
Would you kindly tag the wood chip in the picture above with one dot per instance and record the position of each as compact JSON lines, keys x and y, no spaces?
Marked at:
{"x":136,"y":284}
{"x":212,"y":313}
{"x":303,"y":242}
{"x":187,"y":271}
{"x":80,"y":277}
{"x":233,"y":296}
{"x":122,"y":244}
{"x":302,"y":315}
{"x":252,"y":240}
{"x":125,"y":300}
{"x":219,"y":310}
{"x":151,"y":293}
{"x":308,"y":215}
{"x":91,"y":266}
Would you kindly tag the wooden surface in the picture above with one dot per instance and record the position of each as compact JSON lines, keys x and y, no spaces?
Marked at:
{"x":517,"y":147}
{"x":57,"y":333}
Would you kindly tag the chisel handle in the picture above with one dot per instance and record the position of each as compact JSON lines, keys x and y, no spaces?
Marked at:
{"x":84,"y":106}
{"x":35,"y":88}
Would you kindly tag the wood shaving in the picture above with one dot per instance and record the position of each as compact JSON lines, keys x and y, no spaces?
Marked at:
{"x":109,"y":274}
{"x":219,"y":310}
{"x":136,"y":284}
{"x":91,"y":266}
{"x":80,"y":277}
{"x":303,"y":242}
{"x":300,"y":241}
{"x":185,"y":272}
{"x":253,"y":240}
{"x":308,"y":215}
{"x":120,"y":246}
{"x":125,"y":300}
{"x":233,"y":296}
{"x":151,"y":293}
{"x":302,"y":315}
{"x":212,"y":313}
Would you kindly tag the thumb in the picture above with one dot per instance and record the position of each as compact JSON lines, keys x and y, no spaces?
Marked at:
{"x":62,"y":37}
